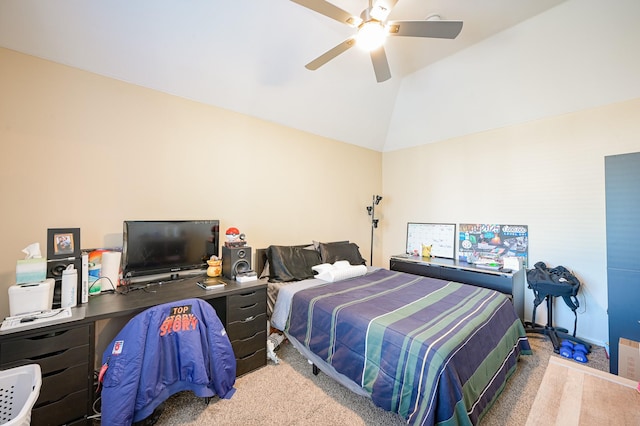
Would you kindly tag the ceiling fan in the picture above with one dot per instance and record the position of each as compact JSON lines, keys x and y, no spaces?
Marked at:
{"x":373,"y":28}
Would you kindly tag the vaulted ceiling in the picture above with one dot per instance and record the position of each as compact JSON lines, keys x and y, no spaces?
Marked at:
{"x":249,"y":55}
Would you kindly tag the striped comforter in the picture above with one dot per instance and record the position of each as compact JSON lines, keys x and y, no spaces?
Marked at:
{"x":436,"y":352}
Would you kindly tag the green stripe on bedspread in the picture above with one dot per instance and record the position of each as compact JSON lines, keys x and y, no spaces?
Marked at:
{"x":454,"y":324}
{"x":485,"y":373}
{"x":340,"y":307}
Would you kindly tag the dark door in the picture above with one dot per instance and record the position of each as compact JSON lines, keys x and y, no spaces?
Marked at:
{"x":622,"y":185}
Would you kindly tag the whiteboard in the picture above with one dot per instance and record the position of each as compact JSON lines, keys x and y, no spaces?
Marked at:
{"x":441,"y":236}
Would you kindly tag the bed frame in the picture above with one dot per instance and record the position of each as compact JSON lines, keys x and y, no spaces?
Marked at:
{"x":318,"y":364}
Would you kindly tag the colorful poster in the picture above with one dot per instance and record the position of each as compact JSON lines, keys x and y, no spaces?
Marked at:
{"x":487,"y":242}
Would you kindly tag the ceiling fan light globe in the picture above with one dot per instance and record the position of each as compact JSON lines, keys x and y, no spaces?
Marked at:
{"x":371,"y":35}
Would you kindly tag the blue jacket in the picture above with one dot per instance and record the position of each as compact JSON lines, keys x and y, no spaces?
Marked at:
{"x":166,"y":349}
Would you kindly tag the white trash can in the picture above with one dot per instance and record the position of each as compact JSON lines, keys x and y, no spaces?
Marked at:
{"x":19,"y":390}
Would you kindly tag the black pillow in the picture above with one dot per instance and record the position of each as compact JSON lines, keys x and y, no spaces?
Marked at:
{"x":291,"y":263}
{"x":331,"y":253}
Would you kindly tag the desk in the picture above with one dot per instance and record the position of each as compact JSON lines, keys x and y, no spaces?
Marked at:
{"x":66,"y":349}
{"x":510,"y":283}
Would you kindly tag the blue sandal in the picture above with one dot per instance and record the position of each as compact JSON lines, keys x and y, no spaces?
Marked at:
{"x":566,"y":349}
{"x":580,"y":353}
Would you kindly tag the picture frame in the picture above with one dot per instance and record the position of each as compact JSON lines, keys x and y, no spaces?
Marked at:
{"x":441,"y":237}
{"x":63,"y":243}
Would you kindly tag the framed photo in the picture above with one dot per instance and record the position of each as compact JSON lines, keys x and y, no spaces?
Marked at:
{"x":63,"y":243}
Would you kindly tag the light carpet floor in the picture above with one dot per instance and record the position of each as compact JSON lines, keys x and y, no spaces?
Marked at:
{"x":289,"y":394}
{"x":572,"y":394}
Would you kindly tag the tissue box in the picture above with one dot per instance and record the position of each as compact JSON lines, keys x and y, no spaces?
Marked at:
{"x":31,"y":271}
{"x":32,"y":297}
{"x":629,"y":359}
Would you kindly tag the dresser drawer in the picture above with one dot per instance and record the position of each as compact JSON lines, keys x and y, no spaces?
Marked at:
{"x":64,"y":354}
{"x":242,"y":329}
{"x":251,"y":362}
{"x":69,"y":408}
{"x":244,"y":347}
{"x":63,"y":382}
{"x":244,"y":305}
{"x":56,"y":361}
{"x":44,"y":344}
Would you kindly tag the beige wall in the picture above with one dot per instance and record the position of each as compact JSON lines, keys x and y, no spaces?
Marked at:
{"x":81,"y":150}
{"x":547,"y":174}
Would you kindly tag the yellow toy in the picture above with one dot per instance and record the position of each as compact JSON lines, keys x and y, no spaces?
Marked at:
{"x":215,"y":267}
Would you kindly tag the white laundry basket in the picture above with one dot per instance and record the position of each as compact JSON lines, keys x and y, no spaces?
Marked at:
{"x":19,"y":389}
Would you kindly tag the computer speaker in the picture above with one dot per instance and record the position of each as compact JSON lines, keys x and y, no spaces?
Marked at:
{"x":235,"y":260}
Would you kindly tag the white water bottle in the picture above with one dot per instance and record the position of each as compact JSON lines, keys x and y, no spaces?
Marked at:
{"x":69,"y":287}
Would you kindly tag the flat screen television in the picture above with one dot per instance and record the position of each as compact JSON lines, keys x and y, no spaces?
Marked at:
{"x":167,"y":248}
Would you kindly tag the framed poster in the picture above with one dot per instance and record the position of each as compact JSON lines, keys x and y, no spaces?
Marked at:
{"x":440,"y":236}
{"x":490,"y":241}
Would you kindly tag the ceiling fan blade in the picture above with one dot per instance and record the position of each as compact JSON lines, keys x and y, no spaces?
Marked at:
{"x":380,"y":64}
{"x":434,"y":29}
{"x":382,"y":8}
{"x":329,"y":10}
{"x":330,"y":54}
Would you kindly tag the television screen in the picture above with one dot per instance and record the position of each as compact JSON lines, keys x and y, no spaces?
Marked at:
{"x":167,"y":247}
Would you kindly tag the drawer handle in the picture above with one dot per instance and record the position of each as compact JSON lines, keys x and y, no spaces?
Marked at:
{"x":247,"y":294}
{"x":248,"y":356}
{"x":251,"y":318}
{"x":55,"y":372}
{"x":249,"y":306}
{"x":250,"y":337}
{"x":47,"y":355}
{"x":49,"y":335}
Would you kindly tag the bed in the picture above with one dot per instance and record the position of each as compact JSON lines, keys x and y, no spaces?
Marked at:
{"x":433,"y":351}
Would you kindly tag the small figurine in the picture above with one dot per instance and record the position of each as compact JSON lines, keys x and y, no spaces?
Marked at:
{"x":215,"y":266}
{"x":232,"y":234}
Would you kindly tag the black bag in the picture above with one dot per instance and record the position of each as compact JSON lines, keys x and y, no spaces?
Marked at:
{"x":558,"y":281}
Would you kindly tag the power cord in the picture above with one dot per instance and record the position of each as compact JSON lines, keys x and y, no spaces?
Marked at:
{"x":103,"y":278}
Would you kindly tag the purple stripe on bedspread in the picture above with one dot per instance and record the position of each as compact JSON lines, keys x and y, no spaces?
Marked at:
{"x":415,"y":343}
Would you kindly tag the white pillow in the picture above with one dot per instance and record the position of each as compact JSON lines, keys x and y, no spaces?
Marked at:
{"x":341,"y":264}
{"x":337,"y":274}
{"x":322,"y":267}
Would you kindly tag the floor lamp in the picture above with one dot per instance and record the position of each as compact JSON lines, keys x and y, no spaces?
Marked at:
{"x":374,"y":222}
